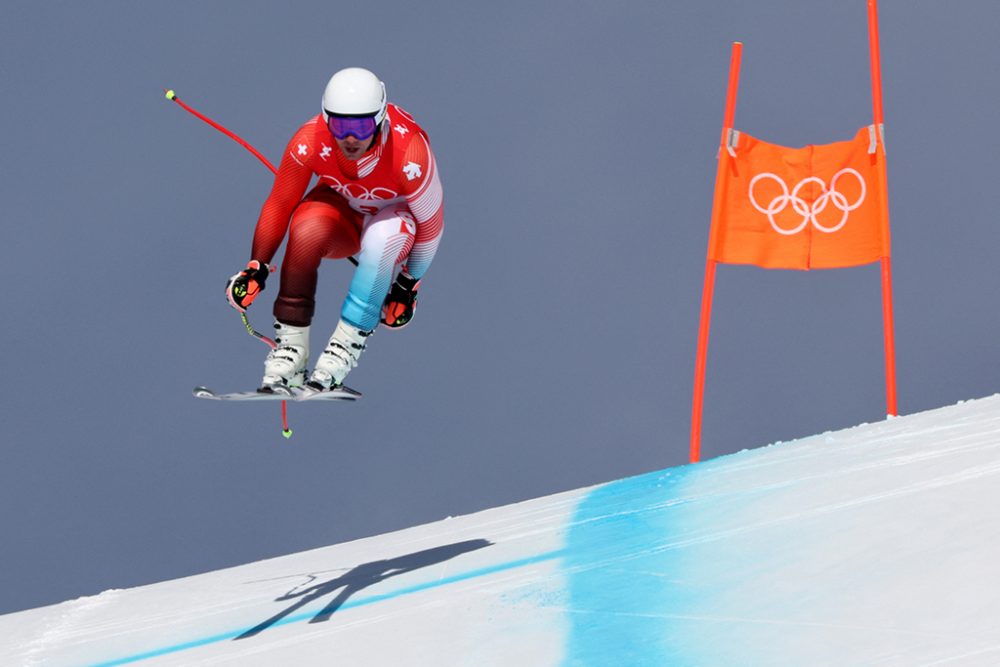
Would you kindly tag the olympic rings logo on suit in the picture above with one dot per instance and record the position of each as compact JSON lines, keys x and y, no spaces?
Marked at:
{"x":360,"y":192}
{"x":803,"y":208}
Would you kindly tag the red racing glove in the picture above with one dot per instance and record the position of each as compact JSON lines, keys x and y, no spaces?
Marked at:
{"x":397,"y":310}
{"x":244,"y":287}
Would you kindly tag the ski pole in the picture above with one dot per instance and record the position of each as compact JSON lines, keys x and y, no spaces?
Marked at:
{"x":256,"y":334}
{"x":285,"y":431}
{"x":172,"y":96}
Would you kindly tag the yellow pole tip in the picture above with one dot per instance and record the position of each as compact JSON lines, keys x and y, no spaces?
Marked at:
{"x":171,"y":95}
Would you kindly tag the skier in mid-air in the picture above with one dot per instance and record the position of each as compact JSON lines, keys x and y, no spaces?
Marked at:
{"x":378,"y":198}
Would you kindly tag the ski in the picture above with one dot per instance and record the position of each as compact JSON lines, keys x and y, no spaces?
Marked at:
{"x":341,"y":393}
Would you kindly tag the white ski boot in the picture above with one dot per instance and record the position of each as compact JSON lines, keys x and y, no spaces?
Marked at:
{"x":286,"y":364}
{"x":340,"y":356}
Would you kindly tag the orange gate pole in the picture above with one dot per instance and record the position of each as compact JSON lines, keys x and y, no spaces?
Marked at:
{"x":879,"y":120}
{"x":709,"y":287}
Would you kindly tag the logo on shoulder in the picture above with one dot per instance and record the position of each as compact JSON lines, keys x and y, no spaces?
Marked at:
{"x":325,"y":153}
{"x":303,"y":149}
{"x":402,"y":129}
{"x":412,"y":170}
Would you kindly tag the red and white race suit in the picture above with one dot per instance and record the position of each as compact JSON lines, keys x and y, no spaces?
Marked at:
{"x":386,"y":208}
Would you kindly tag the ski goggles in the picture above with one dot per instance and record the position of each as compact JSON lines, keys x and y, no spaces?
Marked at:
{"x":341,"y":127}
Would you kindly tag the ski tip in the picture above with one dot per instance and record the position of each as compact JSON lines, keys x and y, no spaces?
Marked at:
{"x":170,"y":94}
{"x":287,"y":433}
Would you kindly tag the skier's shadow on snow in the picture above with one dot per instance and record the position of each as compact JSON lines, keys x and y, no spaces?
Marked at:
{"x":360,"y":578}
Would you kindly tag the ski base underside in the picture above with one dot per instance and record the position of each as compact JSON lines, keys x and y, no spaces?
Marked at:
{"x":341,"y":393}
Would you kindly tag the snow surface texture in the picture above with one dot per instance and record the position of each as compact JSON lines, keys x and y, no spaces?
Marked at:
{"x":876,"y":545}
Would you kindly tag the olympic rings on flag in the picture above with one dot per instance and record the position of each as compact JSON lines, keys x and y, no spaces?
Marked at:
{"x":803,"y":208}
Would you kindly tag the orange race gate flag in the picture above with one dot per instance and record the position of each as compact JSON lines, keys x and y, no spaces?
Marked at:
{"x":817,"y":207}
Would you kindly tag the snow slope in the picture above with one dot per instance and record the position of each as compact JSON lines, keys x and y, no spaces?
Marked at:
{"x":876,"y":545}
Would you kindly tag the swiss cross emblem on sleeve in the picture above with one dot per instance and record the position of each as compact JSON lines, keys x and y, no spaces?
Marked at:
{"x":303,"y":149}
{"x":412,"y":170}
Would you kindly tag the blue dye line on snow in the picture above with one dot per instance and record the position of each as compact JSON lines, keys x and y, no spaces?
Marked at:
{"x":473,"y":574}
{"x":622,"y":581}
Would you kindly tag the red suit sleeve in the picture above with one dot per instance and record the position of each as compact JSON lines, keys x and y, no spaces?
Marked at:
{"x":425,"y":198}
{"x":290,"y":185}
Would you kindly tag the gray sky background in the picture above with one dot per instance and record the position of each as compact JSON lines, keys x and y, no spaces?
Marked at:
{"x":555,"y":340}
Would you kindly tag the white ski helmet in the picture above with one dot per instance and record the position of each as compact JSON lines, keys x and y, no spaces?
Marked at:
{"x":355,"y":92}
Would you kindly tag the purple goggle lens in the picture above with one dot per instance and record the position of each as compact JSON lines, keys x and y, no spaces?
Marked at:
{"x":342,"y":127}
